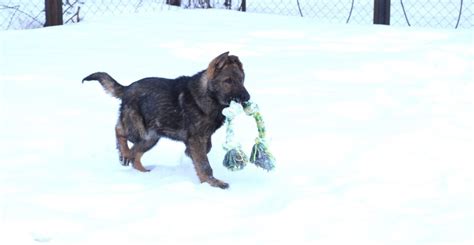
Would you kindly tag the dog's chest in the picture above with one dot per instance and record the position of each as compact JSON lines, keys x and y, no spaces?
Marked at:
{"x":204,"y":125}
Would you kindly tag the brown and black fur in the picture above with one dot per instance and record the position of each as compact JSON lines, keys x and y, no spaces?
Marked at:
{"x":187,"y":109}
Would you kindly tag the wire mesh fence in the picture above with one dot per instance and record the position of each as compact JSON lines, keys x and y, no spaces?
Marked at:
{"x":21,"y":14}
{"x":433,"y":13}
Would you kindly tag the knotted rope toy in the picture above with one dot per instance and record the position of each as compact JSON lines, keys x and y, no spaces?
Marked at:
{"x":235,"y":158}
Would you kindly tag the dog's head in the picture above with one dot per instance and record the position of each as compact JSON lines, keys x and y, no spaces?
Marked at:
{"x":225,"y":79}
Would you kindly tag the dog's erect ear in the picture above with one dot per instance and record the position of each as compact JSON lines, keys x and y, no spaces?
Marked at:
{"x":217,"y":63}
{"x":220,"y":60}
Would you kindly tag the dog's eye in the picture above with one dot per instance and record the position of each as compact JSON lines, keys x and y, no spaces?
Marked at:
{"x":228,"y":81}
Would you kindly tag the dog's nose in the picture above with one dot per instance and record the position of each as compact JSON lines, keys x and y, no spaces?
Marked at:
{"x":244,"y":96}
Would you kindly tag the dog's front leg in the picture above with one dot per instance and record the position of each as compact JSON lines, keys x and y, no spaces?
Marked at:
{"x":197,"y":149}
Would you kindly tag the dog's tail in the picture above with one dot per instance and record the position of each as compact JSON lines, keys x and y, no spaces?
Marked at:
{"x":110,"y":85}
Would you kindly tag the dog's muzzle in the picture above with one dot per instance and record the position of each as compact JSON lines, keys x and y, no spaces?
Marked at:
{"x":243,"y":96}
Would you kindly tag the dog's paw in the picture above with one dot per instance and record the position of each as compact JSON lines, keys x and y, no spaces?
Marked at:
{"x":125,"y":161}
{"x":217,"y":183}
{"x":139,"y":167}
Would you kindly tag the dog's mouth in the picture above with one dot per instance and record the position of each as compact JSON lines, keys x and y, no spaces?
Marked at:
{"x":241,"y":98}
{"x":235,"y":99}
{"x":225,"y":99}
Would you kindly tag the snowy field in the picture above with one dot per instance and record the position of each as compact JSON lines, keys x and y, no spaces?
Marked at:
{"x":372,"y":128}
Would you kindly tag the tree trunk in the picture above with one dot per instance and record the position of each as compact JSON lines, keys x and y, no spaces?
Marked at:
{"x":174,"y":2}
{"x":54,"y":12}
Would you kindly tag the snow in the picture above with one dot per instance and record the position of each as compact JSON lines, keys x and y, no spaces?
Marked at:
{"x":372,"y":128}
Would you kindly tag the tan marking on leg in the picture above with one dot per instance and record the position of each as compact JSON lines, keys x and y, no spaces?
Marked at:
{"x":137,"y":164}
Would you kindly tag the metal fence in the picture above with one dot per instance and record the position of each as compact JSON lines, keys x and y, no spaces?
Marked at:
{"x":440,"y":13}
{"x":21,"y":14}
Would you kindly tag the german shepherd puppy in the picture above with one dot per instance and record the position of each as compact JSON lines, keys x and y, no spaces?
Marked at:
{"x":187,"y":109}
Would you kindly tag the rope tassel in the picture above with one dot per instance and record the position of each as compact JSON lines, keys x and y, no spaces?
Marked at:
{"x":235,"y":158}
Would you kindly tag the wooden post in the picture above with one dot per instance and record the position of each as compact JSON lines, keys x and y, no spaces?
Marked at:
{"x":54,"y":12}
{"x":382,"y":12}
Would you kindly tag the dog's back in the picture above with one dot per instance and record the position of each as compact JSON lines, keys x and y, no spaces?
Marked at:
{"x":161,"y":103}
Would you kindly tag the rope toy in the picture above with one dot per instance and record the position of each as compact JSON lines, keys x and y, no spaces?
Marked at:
{"x":235,"y":158}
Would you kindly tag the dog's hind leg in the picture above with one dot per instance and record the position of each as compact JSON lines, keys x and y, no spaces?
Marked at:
{"x":122,"y":146}
{"x":142,"y":146}
{"x":130,"y":127}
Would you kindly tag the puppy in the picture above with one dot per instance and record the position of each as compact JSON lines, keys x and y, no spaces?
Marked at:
{"x":187,"y":109}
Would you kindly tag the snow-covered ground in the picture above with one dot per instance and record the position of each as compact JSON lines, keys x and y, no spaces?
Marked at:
{"x":372,"y":128}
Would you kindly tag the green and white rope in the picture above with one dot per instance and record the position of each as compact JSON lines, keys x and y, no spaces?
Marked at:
{"x":235,"y":158}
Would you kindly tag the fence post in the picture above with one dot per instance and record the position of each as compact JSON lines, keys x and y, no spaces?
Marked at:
{"x":382,"y":12}
{"x":54,"y":12}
